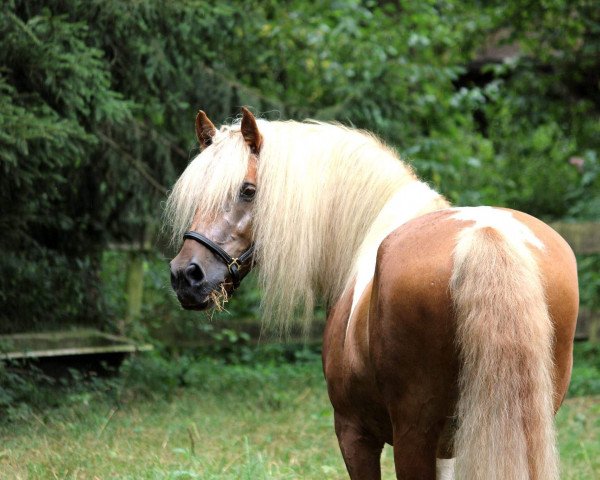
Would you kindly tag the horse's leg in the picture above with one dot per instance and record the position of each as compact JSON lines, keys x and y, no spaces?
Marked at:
{"x":416,"y":368}
{"x":360,"y":449}
{"x":414,"y":449}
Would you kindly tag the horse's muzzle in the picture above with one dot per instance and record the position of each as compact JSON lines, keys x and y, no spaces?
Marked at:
{"x":191,"y":287}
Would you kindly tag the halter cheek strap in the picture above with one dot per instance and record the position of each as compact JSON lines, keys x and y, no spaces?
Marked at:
{"x":233,"y":264}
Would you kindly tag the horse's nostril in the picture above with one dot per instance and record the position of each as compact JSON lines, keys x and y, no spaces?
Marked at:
{"x":194,"y":274}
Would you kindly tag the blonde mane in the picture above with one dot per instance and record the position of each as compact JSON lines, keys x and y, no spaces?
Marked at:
{"x":320,"y":188}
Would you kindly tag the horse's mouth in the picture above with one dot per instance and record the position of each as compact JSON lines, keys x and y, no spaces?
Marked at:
{"x":205,"y":297}
{"x":203,"y":305}
{"x":191,"y":300}
{"x":204,"y":300}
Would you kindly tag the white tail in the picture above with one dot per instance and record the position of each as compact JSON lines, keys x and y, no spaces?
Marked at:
{"x":504,"y":332}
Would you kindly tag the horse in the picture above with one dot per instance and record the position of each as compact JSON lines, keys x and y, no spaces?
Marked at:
{"x":449,"y":330}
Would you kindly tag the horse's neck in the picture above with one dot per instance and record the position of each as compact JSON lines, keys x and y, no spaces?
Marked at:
{"x":412,"y":200}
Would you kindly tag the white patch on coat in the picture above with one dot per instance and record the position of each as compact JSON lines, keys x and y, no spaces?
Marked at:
{"x":408,"y":203}
{"x":444,"y":468}
{"x":501,"y":220}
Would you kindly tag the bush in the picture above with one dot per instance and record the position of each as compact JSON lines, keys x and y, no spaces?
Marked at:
{"x":98,"y":99}
{"x":26,"y":390}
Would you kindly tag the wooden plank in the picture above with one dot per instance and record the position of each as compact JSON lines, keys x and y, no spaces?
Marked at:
{"x":64,"y":352}
{"x":65,"y":343}
{"x":583,"y":237}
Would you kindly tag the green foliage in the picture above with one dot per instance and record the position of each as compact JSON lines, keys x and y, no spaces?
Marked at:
{"x":91,"y":102}
{"x":544,"y":117}
{"x":30,"y":295}
{"x":585,"y":379}
{"x":226,"y":365}
{"x":20,"y":390}
{"x":55,"y":91}
{"x":97,"y":101}
{"x":155,"y":376}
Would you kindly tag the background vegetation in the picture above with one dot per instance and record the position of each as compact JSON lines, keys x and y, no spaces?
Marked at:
{"x":199,"y":418}
{"x":492,"y":103}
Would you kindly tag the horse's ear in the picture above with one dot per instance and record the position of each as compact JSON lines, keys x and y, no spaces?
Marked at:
{"x":250,"y":131}
{"x":205,"y":130}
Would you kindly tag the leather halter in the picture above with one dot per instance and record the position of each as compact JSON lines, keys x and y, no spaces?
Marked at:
{"x":233,"y":264}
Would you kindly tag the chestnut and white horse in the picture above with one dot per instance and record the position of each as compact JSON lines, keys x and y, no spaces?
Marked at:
{"x":449,"y":331}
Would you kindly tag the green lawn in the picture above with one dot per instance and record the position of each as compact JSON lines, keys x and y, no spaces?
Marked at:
{"x":227,"y":422}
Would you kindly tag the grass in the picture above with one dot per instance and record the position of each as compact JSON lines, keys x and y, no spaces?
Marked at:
{"x":578,"y":423}
{"x":258,"y":422}
{"x":262,"y":421}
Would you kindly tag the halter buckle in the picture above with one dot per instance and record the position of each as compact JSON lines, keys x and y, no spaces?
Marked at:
{"x":234,"y":263}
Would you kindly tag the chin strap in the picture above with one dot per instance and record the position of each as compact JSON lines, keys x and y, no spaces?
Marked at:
{"x":233,"y":264}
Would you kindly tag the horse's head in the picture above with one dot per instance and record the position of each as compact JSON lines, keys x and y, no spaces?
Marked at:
{"x":217,"y":250}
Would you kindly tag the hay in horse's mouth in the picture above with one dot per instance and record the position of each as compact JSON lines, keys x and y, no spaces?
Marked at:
{"x":219,"y":298}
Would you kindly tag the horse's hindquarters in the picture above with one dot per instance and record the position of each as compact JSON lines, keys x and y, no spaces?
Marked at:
{"x":488,"y":336}
{"x":408,"y":360}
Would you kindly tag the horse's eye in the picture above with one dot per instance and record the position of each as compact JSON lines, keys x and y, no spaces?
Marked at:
{"x":247,"y":192}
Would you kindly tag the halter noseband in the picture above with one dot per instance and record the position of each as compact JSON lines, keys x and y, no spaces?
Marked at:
{"x":233,"y":264}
